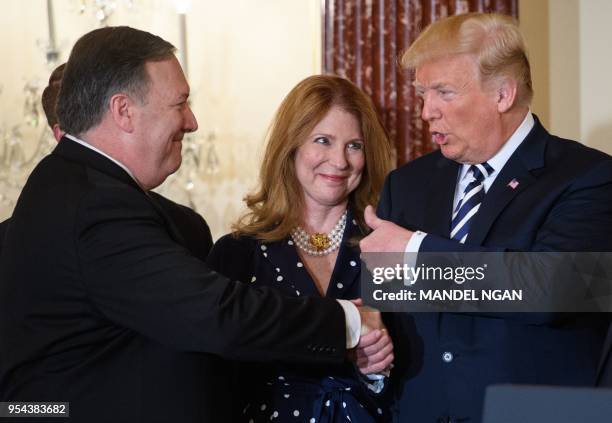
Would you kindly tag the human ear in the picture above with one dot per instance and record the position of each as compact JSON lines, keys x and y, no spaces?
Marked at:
{"x":121,"y":108}
{"x":506,"y":94}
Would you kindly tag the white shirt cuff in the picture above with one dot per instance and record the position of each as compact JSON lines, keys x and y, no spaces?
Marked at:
{"x":376,"y":382}
{"x":410,"y":253}
{"x":414,"y":244}
{"x":353,"y":323}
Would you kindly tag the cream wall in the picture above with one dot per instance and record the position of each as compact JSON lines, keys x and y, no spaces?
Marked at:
{"x":244,"y":56}
{"x":564,"y":35}
{"x":533,"y":20}
{"x":596,"y":73}
{"x":570,"y":44}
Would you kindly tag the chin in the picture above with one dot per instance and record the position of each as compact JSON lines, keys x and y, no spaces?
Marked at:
{"x":450,"y":153}
{"x":331,"y":201}
{"x":174,"y":165}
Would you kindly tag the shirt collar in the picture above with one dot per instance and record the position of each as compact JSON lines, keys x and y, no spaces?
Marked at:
{"x":91,"y":147}
{"x":498,"y":161}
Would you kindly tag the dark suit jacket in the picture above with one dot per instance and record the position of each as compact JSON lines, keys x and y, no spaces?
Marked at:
{"x":604,"y":373}
{"x":193,"y":229}
{"x":3,"y":228}
{"x":563,"y":203}
{"x":102,"y":306}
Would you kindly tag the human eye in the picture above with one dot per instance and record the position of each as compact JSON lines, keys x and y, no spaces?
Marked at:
{"x":355,"y":145}
{"x":445,"y":93}
{"x":321,"y":140}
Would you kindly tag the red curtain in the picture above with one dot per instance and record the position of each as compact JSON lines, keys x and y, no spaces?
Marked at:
{"x":363,"y":41}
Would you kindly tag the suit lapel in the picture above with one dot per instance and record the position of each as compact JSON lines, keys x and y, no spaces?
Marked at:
{"x":515,"y":177}
{"x":439,"y":205}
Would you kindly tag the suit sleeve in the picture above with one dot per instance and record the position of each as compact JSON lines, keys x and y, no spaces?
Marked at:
{"x":138,"y":278}
{"x":384,"y":203}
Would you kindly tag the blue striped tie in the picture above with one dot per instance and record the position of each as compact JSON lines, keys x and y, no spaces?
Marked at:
{"x":470,"y":202}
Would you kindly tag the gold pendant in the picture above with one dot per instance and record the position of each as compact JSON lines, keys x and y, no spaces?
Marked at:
{"x":319,"y":241}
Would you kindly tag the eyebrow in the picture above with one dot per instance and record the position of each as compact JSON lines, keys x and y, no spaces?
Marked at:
{"x":322,"y":134}
{"x":434,"y":86}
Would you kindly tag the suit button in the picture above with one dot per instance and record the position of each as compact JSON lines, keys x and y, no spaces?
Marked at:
{"x":447,"y":356}
{"x":333,"y":350}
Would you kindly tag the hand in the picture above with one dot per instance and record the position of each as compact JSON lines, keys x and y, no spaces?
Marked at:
{"x":374,"y":352}
{"x":370,"y":318}
{"x":385,"y":236}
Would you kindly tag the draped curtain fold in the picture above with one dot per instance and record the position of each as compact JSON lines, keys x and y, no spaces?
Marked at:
{"x":363,"y":41}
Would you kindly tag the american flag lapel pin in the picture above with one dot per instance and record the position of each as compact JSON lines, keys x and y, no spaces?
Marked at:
{"x":513,"y":183}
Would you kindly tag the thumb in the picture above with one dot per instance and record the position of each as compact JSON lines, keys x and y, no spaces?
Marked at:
{"x":357,"y":301}
{"x":370,"y":218}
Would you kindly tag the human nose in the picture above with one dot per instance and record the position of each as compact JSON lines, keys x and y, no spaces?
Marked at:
{"x":338,"y":157}
{"x":190,"y":123}
{"x":430,"y":110}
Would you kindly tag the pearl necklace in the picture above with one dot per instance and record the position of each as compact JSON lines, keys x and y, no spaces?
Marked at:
{"x":320,"y":244}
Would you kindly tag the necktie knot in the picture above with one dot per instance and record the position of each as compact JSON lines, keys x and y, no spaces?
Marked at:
{"x":481,"y":171}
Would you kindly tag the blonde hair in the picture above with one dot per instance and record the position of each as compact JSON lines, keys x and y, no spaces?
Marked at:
{"x":275,"y":207}
{"x":494,"y":39}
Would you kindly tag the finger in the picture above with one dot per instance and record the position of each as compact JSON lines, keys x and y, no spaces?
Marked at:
{"x":365,"y":360}
{"x":370,"y":347}
{"x":376,"y":357}
{"x":368,"y":339}
{"x":374,"y":348}
{"x":370,"y":217}
{"x":377,"y":367}
{"x":357,"y":301}
{"x":383,"y":357}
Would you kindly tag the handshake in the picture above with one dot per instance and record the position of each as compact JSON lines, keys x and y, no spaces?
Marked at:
{"x":374,"y":352}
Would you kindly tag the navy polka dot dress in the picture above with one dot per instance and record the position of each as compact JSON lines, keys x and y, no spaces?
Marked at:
{"x":291,"y":392}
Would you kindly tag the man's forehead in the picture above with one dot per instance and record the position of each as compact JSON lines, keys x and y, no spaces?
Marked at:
{"x":167,"y":75}
{"x":443,"y":71}
{"x":163,"y":66}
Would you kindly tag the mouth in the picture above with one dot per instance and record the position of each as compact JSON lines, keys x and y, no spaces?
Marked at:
{"x":438,"y":137}
{"x":333,"y":178}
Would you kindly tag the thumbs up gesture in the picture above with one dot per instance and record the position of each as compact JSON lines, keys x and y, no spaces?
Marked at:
{"x":385,"y":236}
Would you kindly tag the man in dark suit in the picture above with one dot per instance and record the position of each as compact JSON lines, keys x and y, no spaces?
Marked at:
{"x":101,"y":305}
{"x":499,"y":182}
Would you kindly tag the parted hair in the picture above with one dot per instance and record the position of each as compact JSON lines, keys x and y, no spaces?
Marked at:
{"x":494,"y":39}
{"x":276,"y":206}
{"x":104,"y":62}
{"x":49,"y":94}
